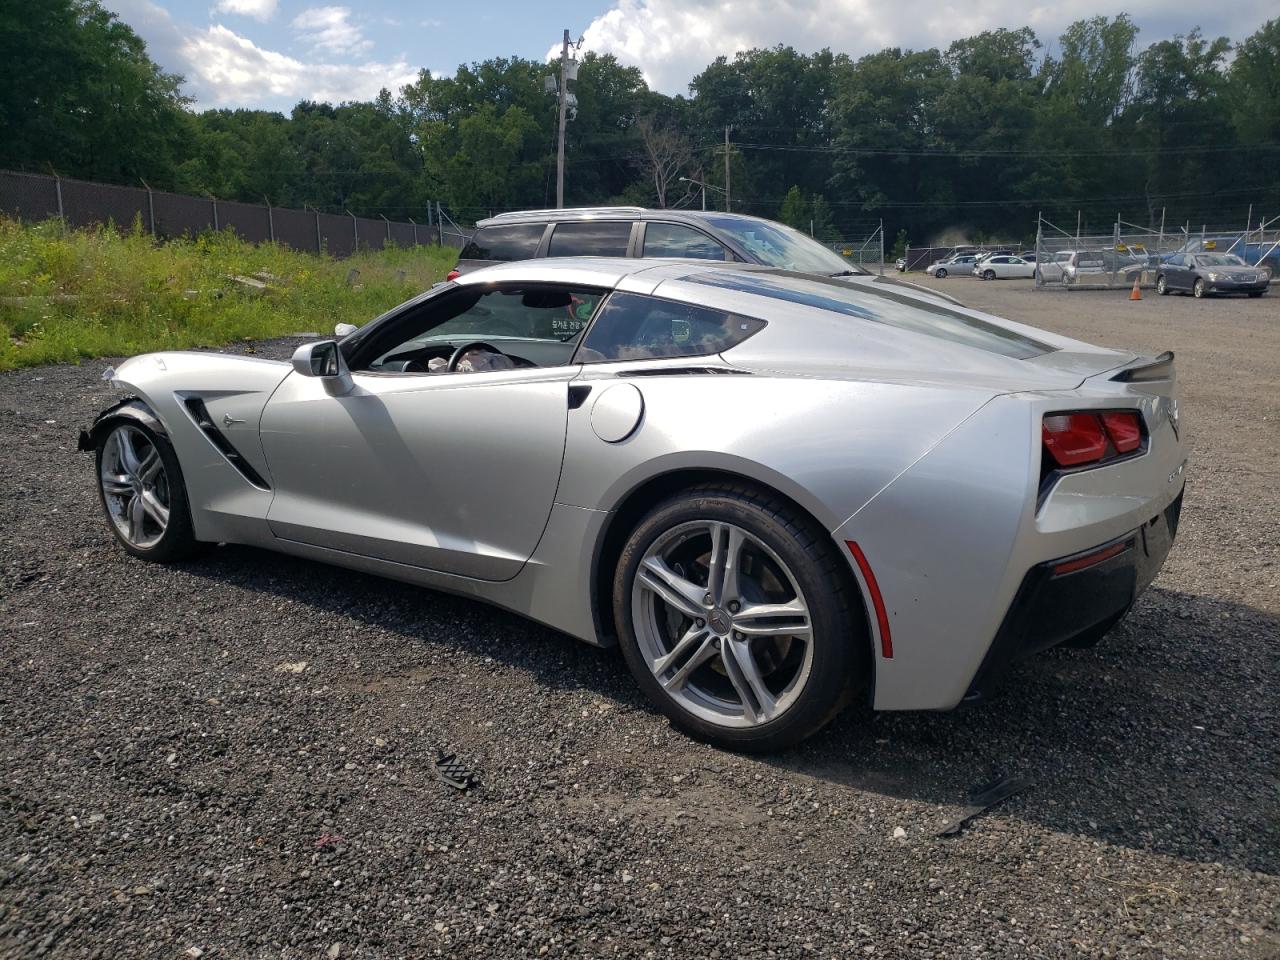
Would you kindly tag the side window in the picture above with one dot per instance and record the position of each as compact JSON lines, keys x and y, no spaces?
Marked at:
{"x":677,"y":240}
{"x":521,"y":326}
{"x":590,"y":238}
{"x":631,"y":326}
{"x":513,"y":241}
{"x":1175,"y":261}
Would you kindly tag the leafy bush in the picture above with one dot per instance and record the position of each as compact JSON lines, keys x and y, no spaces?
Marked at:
{"x":70,"y":294}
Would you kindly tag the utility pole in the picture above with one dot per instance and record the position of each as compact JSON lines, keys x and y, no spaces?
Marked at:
{"x":564,"y":92}
{"x":727,"y":194}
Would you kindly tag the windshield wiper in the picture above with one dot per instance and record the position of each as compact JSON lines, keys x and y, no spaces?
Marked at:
{"x":847,"y":273}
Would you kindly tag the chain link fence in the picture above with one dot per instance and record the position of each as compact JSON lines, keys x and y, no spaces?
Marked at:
{"x":866,"y":252}
{"x":1128,"y":253}
{"x":79,"y":203}
{"x":922,"y":258}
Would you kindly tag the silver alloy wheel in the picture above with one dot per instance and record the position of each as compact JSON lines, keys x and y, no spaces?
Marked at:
{"x":1198,"y":289}
{"x":1161,"y":286}
{"x":722,"y":623}
{"x":135,"y":486}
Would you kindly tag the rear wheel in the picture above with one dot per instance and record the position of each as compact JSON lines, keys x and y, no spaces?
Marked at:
{"x":142,"y":494}
{"x":1254,"y":294}
{"x":1198,"y":289}
{"x":989,"y":275}
{"x":736,"y":620}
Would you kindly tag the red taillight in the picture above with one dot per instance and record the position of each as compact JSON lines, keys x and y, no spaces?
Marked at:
{"x":453,"y":275}
{"x":1074,"y":438}
{"x":1124,"y":430}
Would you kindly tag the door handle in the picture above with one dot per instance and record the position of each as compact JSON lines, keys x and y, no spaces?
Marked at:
{"x":578,"y":394}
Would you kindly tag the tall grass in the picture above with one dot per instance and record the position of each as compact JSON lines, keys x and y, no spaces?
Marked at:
{"x":70,"y":294}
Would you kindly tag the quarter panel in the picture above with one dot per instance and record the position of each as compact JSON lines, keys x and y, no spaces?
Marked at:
{"x":829,"y":445}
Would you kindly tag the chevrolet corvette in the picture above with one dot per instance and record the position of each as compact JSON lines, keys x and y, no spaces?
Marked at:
{"x":773,"y":491}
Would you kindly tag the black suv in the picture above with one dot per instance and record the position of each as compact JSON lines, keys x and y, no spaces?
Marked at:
{"x":636,"y":232}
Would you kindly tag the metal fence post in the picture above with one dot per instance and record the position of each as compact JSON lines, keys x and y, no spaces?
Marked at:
{"x":57,"y":184}
{"x":388,"y":223}
{"x":1039,"y":275}
{"x":271,"y":219}
{"x":882,"y":246}
{"x":355,"y":230}
{"x":214,"y":200}
{"x":439,"y":223}
{"x":151,"y":206}
{"x":415,"y":231}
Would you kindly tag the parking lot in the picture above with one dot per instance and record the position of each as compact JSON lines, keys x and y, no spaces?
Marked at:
{"x":233,"y":757}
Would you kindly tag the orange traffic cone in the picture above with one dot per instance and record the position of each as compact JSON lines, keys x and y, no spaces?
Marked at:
{"x":1135,"y":294}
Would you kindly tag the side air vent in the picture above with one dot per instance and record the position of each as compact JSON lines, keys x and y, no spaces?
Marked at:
{"x":200,"y":414}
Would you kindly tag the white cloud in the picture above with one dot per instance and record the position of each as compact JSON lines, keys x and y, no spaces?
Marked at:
{"x":230,"y":70}
{"x":258,"y":9}
{"x":330,"y":28}
{"x":673,"y":40}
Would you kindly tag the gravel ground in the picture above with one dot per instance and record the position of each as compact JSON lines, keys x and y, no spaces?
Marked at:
{"x":232,"y":758}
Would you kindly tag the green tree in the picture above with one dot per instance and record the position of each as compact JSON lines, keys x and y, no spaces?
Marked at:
{"x":795,"y":210}
{"x":81,"y":95}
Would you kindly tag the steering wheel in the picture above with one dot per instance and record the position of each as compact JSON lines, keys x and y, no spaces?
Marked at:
{"x":462,"y":350}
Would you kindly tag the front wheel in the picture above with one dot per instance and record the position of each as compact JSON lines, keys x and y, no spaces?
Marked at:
{"x":142,"y":494}
{"x":941,"y":274}
{"x":1198,"y":289}
{"x":736,"y":619}
{"x":1162,"y":288}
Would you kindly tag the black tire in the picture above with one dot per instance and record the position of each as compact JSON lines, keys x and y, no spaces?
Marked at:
{"x":841,"y":651}
{"x":989,"y":275}
{"x":1162,"y":285}
{"x":1254,"y":294}
{"x":178,"y":542}
{"x":941,"y":274}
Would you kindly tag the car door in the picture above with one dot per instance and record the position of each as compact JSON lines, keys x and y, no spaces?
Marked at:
{"x":1019,"y":267}
{"x":1175,"y":272}
{"x":448,"y":471}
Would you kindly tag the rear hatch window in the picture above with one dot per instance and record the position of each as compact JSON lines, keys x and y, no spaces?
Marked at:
{"x":879,"y":306}
{"x":508,"y":241}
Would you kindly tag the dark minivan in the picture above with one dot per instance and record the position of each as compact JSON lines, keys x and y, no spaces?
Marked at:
{"x":637,"y":232}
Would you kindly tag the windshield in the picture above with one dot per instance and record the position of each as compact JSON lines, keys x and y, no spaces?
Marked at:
{"x":1220,"y":260}
{"x":776,"y":245}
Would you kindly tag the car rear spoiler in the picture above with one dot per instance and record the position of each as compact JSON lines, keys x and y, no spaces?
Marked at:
{"x":1161,"y":368}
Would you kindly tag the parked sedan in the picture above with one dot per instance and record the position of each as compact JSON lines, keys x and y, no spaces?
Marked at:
{"x":957,"y":264}
{"x":1201,"y":274}
{"x":1004,"y":267}
{"x":907,"y":495}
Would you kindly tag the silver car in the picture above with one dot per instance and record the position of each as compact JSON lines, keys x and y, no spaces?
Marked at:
{"x":773,"y":491}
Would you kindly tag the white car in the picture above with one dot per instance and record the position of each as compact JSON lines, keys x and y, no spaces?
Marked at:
{"x":959,"y":264}
{"x":1003,"y":267}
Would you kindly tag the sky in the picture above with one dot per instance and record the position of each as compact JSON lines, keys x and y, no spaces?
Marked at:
{"x":272,"y":53}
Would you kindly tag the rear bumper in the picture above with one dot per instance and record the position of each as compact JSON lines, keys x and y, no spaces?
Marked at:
{"x":1075,"y":600}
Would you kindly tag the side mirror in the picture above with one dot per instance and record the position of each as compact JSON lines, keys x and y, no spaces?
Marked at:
{"x":325,"y":361}
{"x":344,"y":329}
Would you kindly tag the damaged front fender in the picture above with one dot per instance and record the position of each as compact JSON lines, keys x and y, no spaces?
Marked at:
{"x":130,"y":408}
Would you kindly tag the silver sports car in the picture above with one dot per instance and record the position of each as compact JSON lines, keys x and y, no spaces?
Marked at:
{"x":772,"y":490}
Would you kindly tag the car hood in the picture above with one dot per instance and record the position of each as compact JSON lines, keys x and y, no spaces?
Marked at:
{"x":1233,"y":270}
